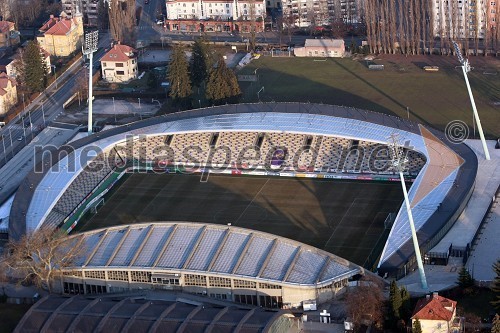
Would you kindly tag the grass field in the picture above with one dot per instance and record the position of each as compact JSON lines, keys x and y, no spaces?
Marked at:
{"x":433,"y":98}
{"x":342,"y":217}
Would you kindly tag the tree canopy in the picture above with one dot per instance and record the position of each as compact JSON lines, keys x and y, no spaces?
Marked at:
{"x":201,"y":61}
{"x":222,"y":85}
{"x":178,"y":76}
{"x":33,"y":69}
{"x":39,"y":256}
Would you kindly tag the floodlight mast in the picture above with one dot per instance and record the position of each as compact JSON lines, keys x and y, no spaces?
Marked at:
{"x":399,"y":161}
{"x":88,"y":48}
{"x":465,"y":69}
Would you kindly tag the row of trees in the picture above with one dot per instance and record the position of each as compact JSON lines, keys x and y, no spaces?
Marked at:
{"x":28,"y":12}
{"x":409,"y":27}
{"x":207,"y":71}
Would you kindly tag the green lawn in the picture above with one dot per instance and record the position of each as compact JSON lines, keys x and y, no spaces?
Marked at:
{"x":433,"y":97}
{"x":10,"y":315}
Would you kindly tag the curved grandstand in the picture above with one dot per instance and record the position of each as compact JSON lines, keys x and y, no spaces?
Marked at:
{"x":252,"y":267}
{"x":292,"y":140}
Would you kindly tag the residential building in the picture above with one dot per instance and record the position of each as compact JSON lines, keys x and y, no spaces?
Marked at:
{"x":88,"y":8}
{"x":119,"y":64}
{"x":8,"y":65}
{"x":215,"y":16}
{"x":315,"y":13}
{"x":8,"y":34}
{"x":465,"y":19}
{"x":61,"y":36}
{"x":437,"y":314}
{"x":328,"y":48}
{"x":8,"y":93}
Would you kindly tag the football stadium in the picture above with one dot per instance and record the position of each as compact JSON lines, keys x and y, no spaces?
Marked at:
{"x":265,"y":204}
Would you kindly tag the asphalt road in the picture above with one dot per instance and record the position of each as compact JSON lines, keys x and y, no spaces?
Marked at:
{"x":44,"y":109}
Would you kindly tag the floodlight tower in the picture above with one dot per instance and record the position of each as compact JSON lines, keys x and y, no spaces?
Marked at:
{"x":466,"y":68}
{"x":88,"y":48}
{"x":399,"y":162}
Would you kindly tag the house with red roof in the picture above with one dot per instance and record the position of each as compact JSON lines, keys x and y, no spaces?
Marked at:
{"x":119,"y":64}
{"x":8,"y":34}
{"x":437,"y":314}
{"x":61,"y":36}
{"x":8,"y":93}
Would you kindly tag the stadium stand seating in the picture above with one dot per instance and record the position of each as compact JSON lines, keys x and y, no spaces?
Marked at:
{"x":333,"y":155}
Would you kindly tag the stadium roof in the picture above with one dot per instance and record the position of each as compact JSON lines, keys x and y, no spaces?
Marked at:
{"x":211,"y":248}
{"x":446,"y":185}
{"x":138,"y":314}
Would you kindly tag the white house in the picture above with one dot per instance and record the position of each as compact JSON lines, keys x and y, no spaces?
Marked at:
{"x":119,"y":64}
{"x":437,"y":314}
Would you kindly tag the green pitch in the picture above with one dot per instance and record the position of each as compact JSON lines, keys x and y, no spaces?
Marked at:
{"x":342,"y":217}
{"x":433,"y":98}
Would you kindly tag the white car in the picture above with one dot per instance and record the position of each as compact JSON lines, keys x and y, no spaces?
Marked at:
{"x":159,"y":22}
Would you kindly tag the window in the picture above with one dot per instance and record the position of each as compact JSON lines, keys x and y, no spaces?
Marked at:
{"x":269,"y":286}
{"x":119,"y":64}
{"x":103,"y":64}
{"x":118,"y":275}
{"x":227,"y":5}
{"x":165,"y":280}
{"x":73,"y":273}
{"x":244,"y":284}
{"x":195,"y":280}
{"x":139,"y":276}
{"x":94,"y":274}
{"x":120,"y":73}
{"x":216,"y":281}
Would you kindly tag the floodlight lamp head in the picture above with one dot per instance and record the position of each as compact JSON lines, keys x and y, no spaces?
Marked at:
{"x":90,"y":42}
{"x":397,"y":153}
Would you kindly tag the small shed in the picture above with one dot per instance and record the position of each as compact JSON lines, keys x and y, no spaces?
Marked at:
{"x":326,"y":48}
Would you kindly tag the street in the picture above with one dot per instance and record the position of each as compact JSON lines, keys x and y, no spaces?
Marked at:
{"x":44,"y":109}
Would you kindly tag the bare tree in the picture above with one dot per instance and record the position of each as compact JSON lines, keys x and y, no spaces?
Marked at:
{"x":40,"y":256}
{"x":122,"y":21}
{"x":365,"y":302}
{"x":81,"y":86}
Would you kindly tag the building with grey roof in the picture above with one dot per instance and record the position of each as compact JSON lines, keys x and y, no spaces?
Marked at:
{"x":142,"y":314}
{"x":223,"y":262}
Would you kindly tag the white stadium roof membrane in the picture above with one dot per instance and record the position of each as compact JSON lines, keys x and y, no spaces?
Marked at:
{"x":53,"y":184}
{"x":211,"y":248}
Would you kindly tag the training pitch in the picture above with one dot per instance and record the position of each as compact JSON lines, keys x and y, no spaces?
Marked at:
{"x":345,"y":218}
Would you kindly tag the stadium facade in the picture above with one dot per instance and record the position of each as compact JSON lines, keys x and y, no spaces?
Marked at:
{"x":296,"y":135}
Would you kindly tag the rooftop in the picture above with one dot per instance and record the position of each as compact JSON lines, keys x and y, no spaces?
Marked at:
{"x":213,"y":249}
{"x":119,"y":52}
{"x":434,"y":307}
{"x":324,"y":43}
{"x":141,"y":313}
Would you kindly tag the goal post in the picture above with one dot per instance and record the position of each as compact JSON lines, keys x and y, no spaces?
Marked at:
{"x":96,"y":205}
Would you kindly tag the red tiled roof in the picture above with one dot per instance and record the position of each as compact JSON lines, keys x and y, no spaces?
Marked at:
{"x":434,"y":308}
{"x":57,"y":26}
{"x":5,"y":26}
{"x":119,"y":53}
{"x":4,"y":80}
